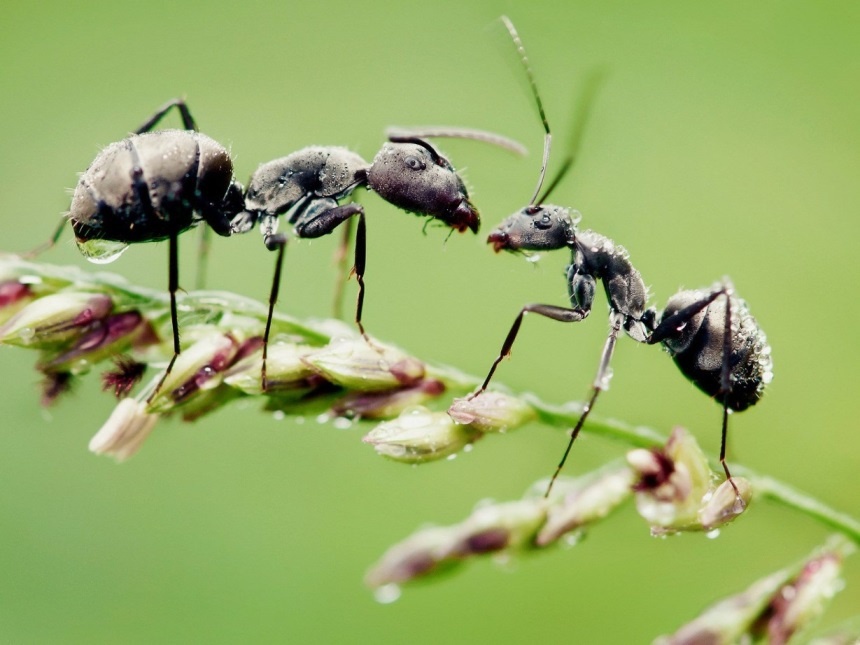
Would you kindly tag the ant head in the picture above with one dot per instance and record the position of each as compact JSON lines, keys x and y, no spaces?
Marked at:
{"x":539,"y":226}
{"x":413,"y":176}
{"x":535,"y":228}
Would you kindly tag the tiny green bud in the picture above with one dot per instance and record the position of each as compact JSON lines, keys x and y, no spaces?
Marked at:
{"x":419,"y":435}
{"x":494,"y":527}
{"x":730,"y":619}
{"x":14,"y":296}
{"x":124,"y":431}
{"x":725,"y":503}
{"x":489,"y":529}
{"x":584,"y":501}
{"x":285,"y":369}
{"x":673,"y":482}
{"x":355,"y":364}
{"x":802,"y":601}
{"x":492,"y":412}
{"x":54,"y":319}
{"x":388,"y":403}
{"x":419,"y":555}
{"x":198,"y":367}
{"x":775,"y":607}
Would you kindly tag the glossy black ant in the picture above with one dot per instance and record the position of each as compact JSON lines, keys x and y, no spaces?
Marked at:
{"x":154,"y":185}
{"x":709,"y":333}
{"x":308,"y":186}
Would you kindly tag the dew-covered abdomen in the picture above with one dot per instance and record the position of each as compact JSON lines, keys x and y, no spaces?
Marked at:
{"x":181,"y":172}
{"x":698,"y":349}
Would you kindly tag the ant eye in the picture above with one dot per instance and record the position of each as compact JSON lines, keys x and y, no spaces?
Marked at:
{"x":415,"y":163}
{"x":544,"y":223}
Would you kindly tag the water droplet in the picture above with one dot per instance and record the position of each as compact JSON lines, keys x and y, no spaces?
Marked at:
{"x":80,"y":367}
{"x":533,"y":258}
{"x":342,"y":423}
{"x":323,"y":418}
{"x":26,"y":334}
{"x":468,"y":447}
{"x":298,"y":420}
{"x":570,"y":540}
{"x":278,"y":415}
{"x":451,"y":457}
{"x":101,"y":251}
{"x":387,"y":594}
{"x":713,"y":535}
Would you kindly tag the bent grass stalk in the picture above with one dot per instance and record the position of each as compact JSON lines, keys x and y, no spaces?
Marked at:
{"x":76,"y":319}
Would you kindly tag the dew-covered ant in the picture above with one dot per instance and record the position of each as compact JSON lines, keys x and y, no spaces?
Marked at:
{"x":709,"y":333}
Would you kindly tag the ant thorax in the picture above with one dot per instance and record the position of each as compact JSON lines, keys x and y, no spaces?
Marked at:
{"x":596,"y":258}
{"x":316,"y":171}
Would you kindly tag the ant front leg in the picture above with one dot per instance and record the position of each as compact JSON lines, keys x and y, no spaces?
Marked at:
{"x":49,"y":243}
{"x":340,"y":258}
{"x":561,"y":314}
{"x":322,"y":217}
{"x":179,"y":104}
{"x":601,"y":382}
{"x":274,"y":242}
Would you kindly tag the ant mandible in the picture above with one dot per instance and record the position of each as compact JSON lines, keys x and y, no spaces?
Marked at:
{"x":709,"y":333}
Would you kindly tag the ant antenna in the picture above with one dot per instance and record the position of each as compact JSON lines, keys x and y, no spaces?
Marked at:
{"x":580,"y":119}
{"x":415,"y":135}
{"x":547,"y":140}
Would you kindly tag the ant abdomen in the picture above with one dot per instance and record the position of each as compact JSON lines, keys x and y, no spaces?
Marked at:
{"x":698,"y":347}
{"x":146,"y":188}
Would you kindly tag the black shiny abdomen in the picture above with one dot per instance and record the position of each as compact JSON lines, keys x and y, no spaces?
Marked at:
{"x":185,"y":173}
{"x":697,"y":350}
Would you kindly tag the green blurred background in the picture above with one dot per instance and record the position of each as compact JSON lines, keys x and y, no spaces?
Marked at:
{"x":725,"y":141}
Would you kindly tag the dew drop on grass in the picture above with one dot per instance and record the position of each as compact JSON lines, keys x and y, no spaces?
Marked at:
{"x":342,"y":423}
{"x":387,"y":594}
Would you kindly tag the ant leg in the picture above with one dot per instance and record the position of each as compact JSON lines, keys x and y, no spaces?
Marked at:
{"x":321,"y":218}
{"x":358,"y":269}
{"x":670,"y":326}
{"x":179,"y":104}
{"x":173,"y":287}
{"x":141,"y":189}
{"x":601,"y":382}
{"x":49,"y":243}
{"x":561,"y":314}
{"x":726,"y":384}
{"x":273,"y":242}
{"x":342,"y":274}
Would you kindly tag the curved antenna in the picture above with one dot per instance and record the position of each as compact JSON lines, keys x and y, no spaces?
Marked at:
{"x":410,"y":135}
{"x":580,"y":119}
{"x":547,"y":139}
